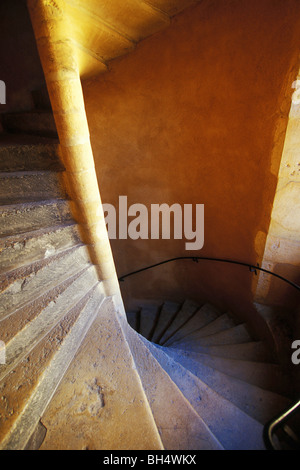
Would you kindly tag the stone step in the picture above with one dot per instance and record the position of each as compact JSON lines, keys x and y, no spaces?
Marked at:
{"x":166,"y":316}
{"x":236,"y":335}
{"x":100,"y":403}
{"x":223,"y":322}
{"x":147,"y":320}
{"x":19,"y":187}
{"x":29,"y":153}
{"x":41,"y":98}
{"x":35,"y":330}
{"x":252,"y":351}
{"x":23,"y":249}
{"x":38,"y":122}
{"x":133,"y":319}
{"x":202,"y":317}
{"x":18,"y":320}
{"x":180,"y":427}
{"x":188,"y":309}
{"x":24,"y":285}
{"x":224,"y":419}
{"x":22,"y":218}
{"x":29,"y":387}
{"x":261,"y":405}
{"x":264,"y":375}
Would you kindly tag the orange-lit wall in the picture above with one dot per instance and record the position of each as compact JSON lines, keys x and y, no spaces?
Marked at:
{"x":197,"y":114}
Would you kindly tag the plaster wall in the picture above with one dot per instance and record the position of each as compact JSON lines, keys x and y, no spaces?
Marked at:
{"x":197,"y":114}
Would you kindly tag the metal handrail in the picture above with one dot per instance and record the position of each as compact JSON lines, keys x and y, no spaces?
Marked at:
{"x":251,"y":267}
{"x":271,"y":427}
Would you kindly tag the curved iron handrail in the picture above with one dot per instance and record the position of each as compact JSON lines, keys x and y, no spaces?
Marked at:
{"x":271,"y":427}
{"x":252,"y":267}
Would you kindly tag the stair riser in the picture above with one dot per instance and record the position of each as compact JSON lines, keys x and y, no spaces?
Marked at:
{"x":34,"y":246}
{"x":203,"y":316}
{"x":16,"y":188}
{"x":236,"y":335}
{"x":24,"y":316}
{"x":28,"y":217}
{"x":42,"y":124}
{"x":23,"y":290}
{"x":183,"y":316}
{"x":24,"y":157}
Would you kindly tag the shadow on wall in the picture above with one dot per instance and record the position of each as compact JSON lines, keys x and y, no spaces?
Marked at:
{"x":21,"y":70}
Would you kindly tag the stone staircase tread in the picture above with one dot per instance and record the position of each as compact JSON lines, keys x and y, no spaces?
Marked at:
{"x":188,"y":309}
{"x":57,"y":352}
{"x":268,"y":376}
{"x":260,"y":404}
{"x":235,"y":335}
{"x":148,"y":317}
{"x":180,"y":427}
{"x":224,"y":419}
{"x":20,"y":218}
{"x":253,"y":351}
{"x":20,"y":319}
{"x":102,"y":394}
{"x":204,"y":316}
{"x":132,"y":318}
{"x":33,"y":332}
{"x":19,"y":187}
{"x":35,"y":122}
{"x":20,"y":290}
{"x":28,"y":153}
{"x":22,"y":249}
{"x":223,"y":322}
{"x":167,"y":314}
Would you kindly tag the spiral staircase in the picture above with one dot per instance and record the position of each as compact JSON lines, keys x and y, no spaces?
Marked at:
{"x":79,"y":374}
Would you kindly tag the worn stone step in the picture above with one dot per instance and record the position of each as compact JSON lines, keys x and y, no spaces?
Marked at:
{"x":166,"y":316}
{"x":22,"y":218}
{"x":204,"y":315}
{"x":24,"y":285}
{"x":41,"y":98}
{"x":132,"y":318}
{"x":148,"y":317}
{"x":188,"y":309}
{"x":264,"y":375}
{"x":29,"y":153}
{"x":224,"y":419}
{"x":10,"y":326}
{"x":252,"y":351}
{"x":38,"y":122}
{"x":262,"y":405}
{"x":23,"y":249}
{"x":180,"y":427}
{"x":235,"y":335}
{"x":101,"y":396}
{"x":221,"y":323}
{"x":27,"y":186}
{"x":29,"y":387}
{"x":34,"y":331}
